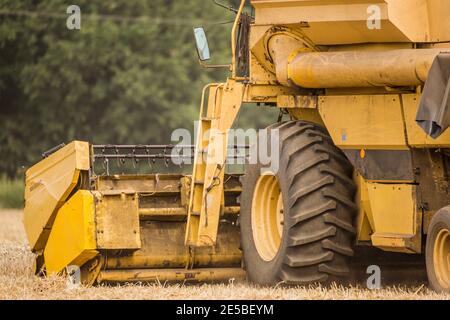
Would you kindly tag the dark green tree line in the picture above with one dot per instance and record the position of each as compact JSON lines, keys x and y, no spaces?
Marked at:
{"x":130,"y":75}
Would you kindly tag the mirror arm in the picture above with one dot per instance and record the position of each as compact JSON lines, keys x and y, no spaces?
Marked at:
{"x":214,"y":66}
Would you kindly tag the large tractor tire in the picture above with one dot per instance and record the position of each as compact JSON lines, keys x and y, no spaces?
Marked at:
{"x":437,"y":251}
{"x":297,"y":223}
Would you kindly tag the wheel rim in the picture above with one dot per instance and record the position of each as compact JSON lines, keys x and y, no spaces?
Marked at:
{"x":267,"y":216}
{"x":441,"y":254}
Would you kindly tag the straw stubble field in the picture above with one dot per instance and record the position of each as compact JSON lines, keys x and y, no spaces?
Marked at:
{"x":17,"y":281}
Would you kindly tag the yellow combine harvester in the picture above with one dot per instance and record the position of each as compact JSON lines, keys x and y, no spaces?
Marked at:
{"x":364,"y":160}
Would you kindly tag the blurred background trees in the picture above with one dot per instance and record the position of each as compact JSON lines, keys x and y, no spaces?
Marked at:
{"x":130,"y":75}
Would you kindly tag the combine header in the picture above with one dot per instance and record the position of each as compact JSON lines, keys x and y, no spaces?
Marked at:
{"x":363,"y":161}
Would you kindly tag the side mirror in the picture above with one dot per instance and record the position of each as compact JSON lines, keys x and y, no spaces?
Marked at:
{"x":202,"y":44}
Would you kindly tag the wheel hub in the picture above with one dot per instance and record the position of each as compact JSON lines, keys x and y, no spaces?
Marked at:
{"x":441,"y":256}
{"x":267,"y":216}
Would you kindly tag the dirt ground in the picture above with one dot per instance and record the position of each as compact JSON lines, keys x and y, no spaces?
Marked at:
{"x":18,"y":282}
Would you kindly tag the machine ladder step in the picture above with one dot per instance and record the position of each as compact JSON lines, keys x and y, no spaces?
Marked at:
{"x":206,"y":197}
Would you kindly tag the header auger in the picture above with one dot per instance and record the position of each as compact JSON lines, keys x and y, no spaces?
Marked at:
{"x":362,"y":162}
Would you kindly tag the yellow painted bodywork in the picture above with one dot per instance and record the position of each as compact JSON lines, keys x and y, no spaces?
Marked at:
{"x":389,"y":216}
{"x":328,"y":22}
{"x":47,"y":186}
{"x":133,"y":237}
{"x":117,"y":219}
{"x":163,"y":247}
{"x":364,"y":105}
{"x":369,"y":85}
{"x":162,"y":275}
{"x":72,"y":240}
{"x":364,"y":121}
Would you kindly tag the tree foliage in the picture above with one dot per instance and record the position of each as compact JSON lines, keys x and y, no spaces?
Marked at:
{"x":130,"y":75}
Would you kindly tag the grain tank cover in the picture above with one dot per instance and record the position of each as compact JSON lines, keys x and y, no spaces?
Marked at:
{"x":331,"y":22}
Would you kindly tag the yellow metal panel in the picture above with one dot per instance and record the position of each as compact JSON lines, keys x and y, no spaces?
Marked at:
{"x":414,"y":21}
{"x":303,"y":102}
{"x":148,"y":183}
{"x":47,"y":185}
{"x":364,"y":122}
{"x":72,"y":238}
{"x":438,"y":11}
{"x":265,"y":93}
{"x":117,"y":219}
{"x":394,"y":217}
{"x":393,"y":207}
{"x":161,"y":275}
{"x":261,"y":70}
{"x":416,"y":136}
{"x":328,"y":22}
{"x":163,"y":247}
{"x":391,"y":242}
{"x":364,"y":221}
